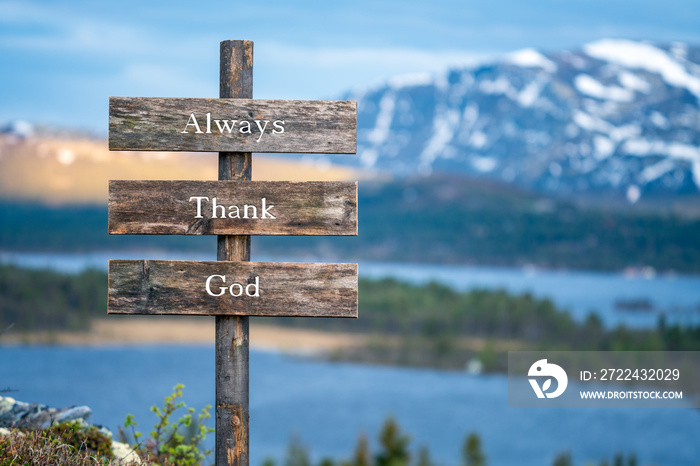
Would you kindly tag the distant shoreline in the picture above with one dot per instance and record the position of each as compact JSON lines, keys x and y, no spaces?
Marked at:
{"x":118,"y":330}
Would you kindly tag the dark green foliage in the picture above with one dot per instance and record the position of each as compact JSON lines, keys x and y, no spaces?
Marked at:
{"x":677,"y":338}
{"x":424,"y":457}
{"x":297,"y":454}
{"x":362,"y":456}
{"x":47,"y":300}
{"x":563,"y":459}
{"x":394,"y":445}
{"x":620,"y":460}
{"x":472,"y":453}
{"x":83,"y":438}
{"x":430,"y":323}
{"x":395,"y":451}
{"x":78,"y":228}
{"x":167,"y":444}
{"x":455,"y":220}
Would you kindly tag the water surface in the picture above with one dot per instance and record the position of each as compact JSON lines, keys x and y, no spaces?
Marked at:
{"x":329,"y":404}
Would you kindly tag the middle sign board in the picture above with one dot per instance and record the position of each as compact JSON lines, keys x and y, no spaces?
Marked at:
{"x":233,"y":208}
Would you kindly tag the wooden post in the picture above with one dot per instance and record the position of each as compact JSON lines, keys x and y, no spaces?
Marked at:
{"x":232,"y":338}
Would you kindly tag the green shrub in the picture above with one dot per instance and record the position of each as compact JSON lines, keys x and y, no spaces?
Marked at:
{"x":167,"y":444}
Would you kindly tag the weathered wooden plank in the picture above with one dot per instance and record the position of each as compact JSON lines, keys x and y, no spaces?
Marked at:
{"x":232,"y":408}
{"x":232,"y":208}
{"x":263,"y":288}
{"x":233,"y":125}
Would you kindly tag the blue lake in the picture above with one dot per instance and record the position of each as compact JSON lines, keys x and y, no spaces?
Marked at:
{"x":329,"y":404}
{"x":675,"y":296}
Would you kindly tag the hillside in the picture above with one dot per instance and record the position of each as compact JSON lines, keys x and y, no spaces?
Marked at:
{"x":443,"y":219}
{"x":56,"y":170}
{"x":616,"y":119}
{"x":435,"y":219}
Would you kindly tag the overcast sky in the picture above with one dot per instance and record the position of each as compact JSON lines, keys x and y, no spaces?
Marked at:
{"x":62,"y":59}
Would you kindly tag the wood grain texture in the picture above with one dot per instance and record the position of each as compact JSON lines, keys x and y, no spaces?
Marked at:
{"x":156,"y":123}
{"x":165,"y":208}
{"x":232,"y":409}
{"x":285,"y":289}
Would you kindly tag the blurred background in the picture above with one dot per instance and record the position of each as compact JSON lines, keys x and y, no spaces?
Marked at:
{"x":529,"y":178}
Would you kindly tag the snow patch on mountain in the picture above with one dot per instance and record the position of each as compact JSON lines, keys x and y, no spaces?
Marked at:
{"x":616,"y":115}
{"x":634,"y":82}
{"x":640,"y":55}
{"x":531,"y":58}
{"x":589,"y":86}
{"x":445,"y":124}
{"x":414,"y":79}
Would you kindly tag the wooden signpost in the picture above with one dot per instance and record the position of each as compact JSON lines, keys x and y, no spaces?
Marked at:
{"x":232,"y":288}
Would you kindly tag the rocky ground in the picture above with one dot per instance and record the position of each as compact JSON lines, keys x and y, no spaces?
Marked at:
{"x":17,"y":415}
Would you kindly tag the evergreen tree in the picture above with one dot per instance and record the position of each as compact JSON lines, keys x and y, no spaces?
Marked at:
{"x":471,"y":452}
{"x":362,"y":456}
{"x":563,"y":459}
{"x":394,"y":446}
{"x":424,"y":457}
{"x":297,"y":454}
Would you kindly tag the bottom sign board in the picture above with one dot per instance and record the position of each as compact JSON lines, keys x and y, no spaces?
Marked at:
{"x":232,"y":288}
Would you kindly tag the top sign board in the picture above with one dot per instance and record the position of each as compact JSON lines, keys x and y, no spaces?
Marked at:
{"x":232,"y":125}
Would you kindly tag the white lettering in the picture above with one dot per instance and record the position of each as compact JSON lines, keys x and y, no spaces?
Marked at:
{"x":261,"y":128}
{"x":222,"y":288}
{"x":245,"y":211}
{"x":244,"y":126}
{"x":192,"y":121}
{"x":256,"y":287}
{"x":279,"y":127}
{"x":214,"y":206}
{"x":199,"y":204}
{"x":226,"y":125}
{"x":266,"y":209}
{"x":234,"y":211}
{"x":235,"y":289}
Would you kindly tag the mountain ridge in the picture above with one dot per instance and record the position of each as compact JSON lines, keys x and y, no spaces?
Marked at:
{"x":615,"y":117}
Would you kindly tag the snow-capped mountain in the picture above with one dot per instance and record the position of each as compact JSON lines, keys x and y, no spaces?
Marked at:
{"x":616,"y":115}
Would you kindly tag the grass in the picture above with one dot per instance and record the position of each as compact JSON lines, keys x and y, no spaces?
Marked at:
{"x":62,"y":445}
